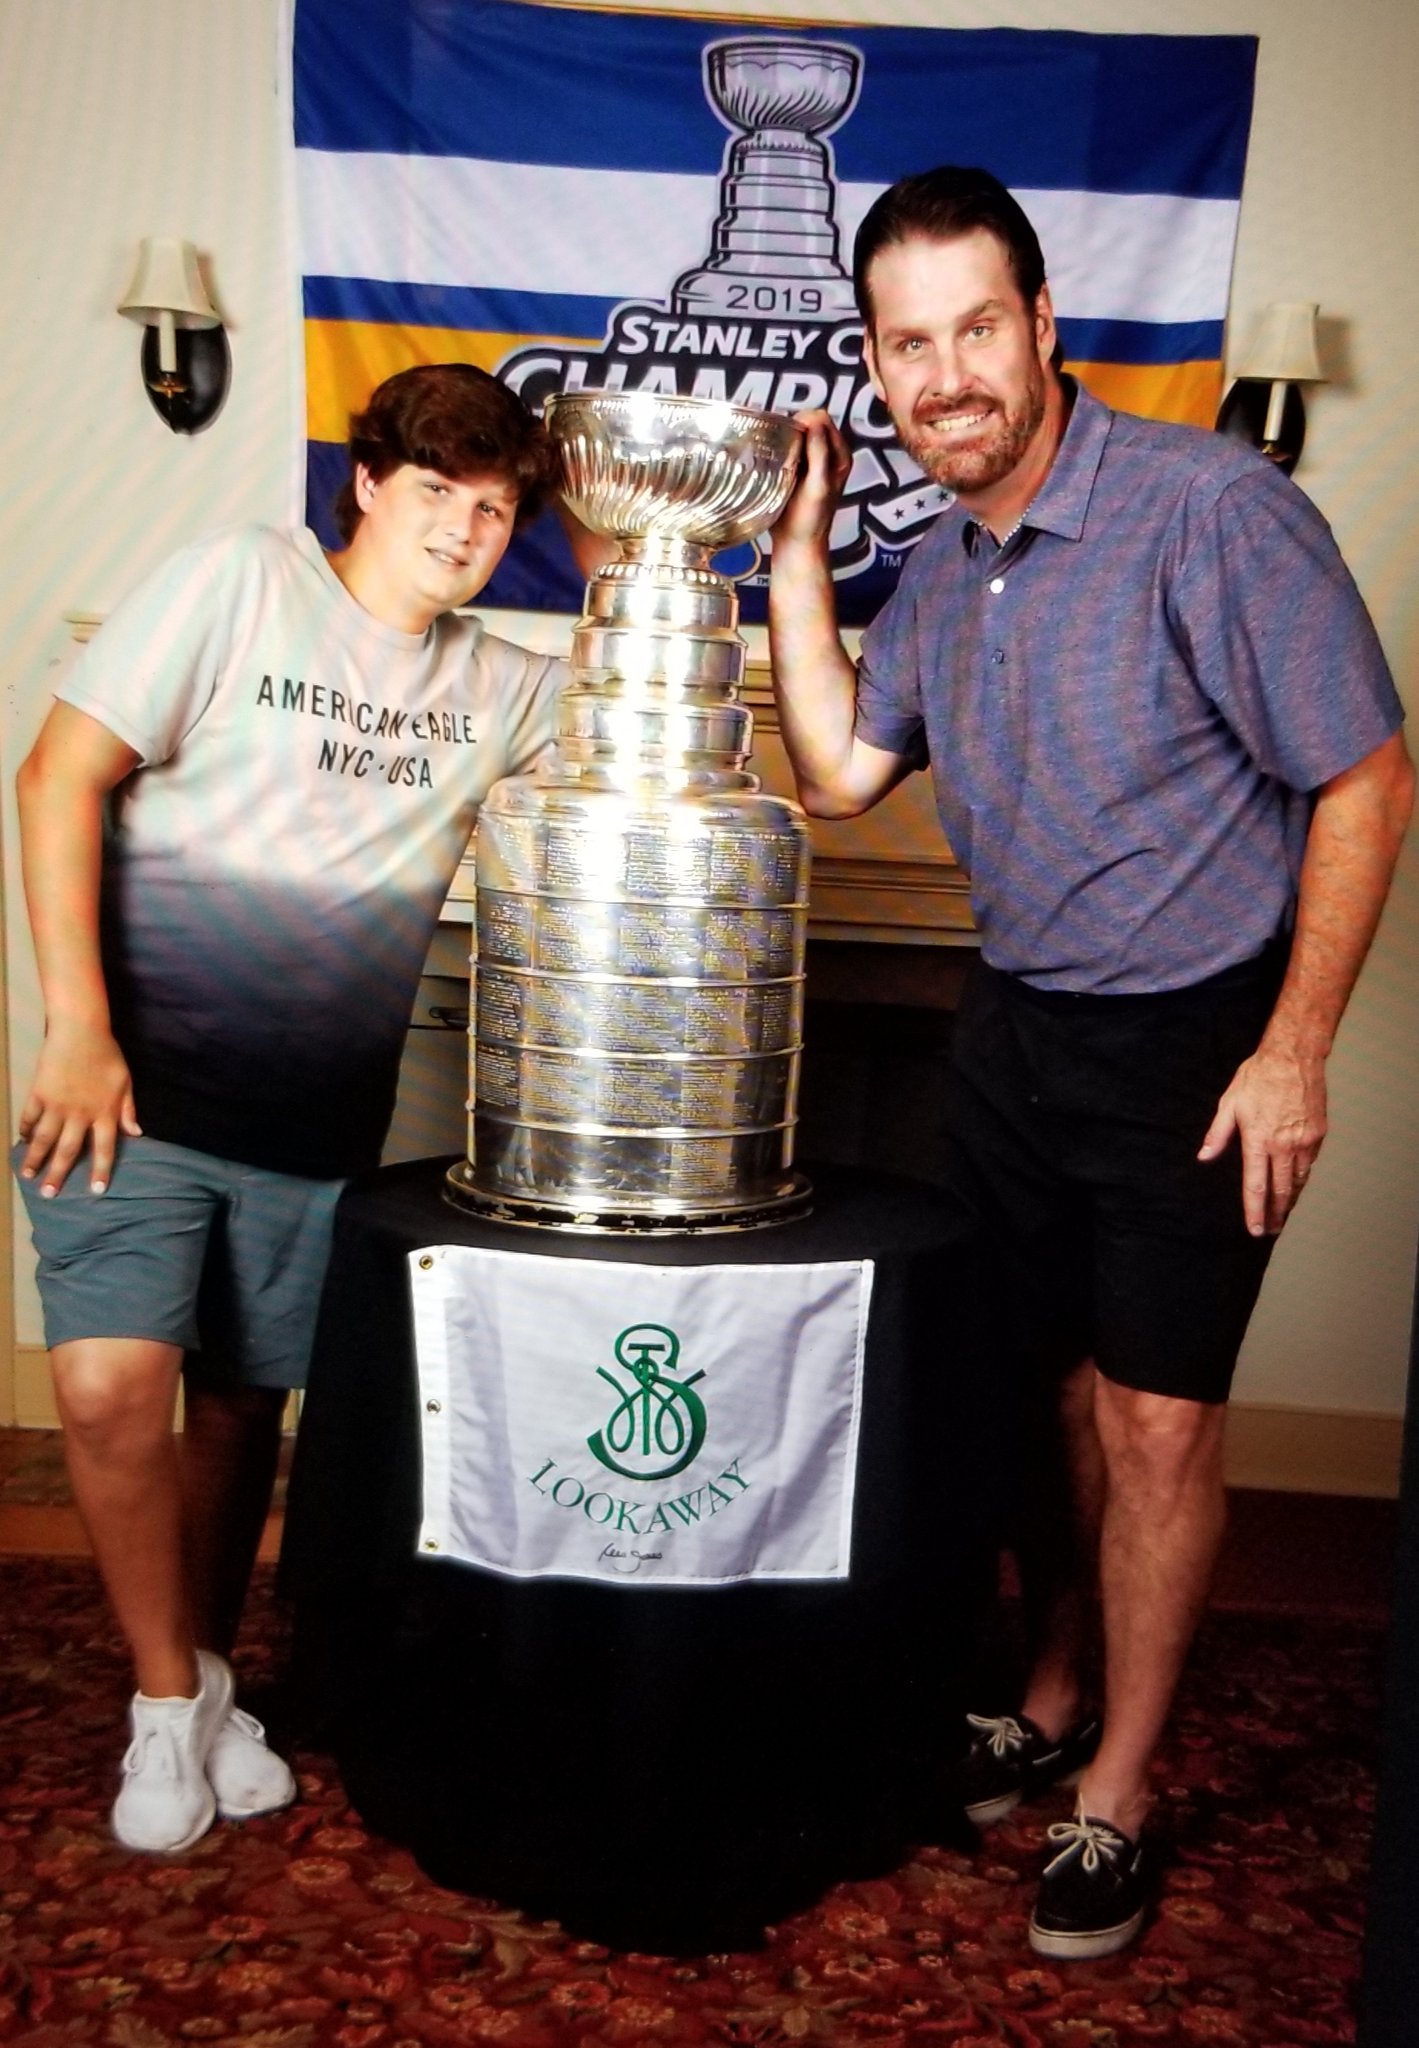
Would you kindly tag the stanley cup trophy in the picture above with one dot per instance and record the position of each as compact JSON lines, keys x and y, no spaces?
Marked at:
{"x":775,"y":242}
{"x":641,"y":908}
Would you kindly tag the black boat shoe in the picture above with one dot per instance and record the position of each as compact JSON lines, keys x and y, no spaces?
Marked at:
{"x":1010,"y":1759}
{"x":1093,"y":1893}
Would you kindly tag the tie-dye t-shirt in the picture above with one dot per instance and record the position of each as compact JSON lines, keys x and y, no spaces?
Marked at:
{"x":274,"y":871}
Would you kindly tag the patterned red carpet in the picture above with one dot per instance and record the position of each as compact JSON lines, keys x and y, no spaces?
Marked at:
{"x":302,"y":1929}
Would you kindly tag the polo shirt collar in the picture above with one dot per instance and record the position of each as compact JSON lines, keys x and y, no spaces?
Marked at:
{"x":1062,"y":503}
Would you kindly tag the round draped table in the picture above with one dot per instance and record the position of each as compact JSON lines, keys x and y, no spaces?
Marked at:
{"x":660,"y":1768}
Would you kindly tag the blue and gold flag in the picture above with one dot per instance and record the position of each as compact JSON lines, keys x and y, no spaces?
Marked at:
{"x":582,"y":199}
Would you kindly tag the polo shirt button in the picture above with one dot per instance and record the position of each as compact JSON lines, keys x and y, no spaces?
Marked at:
{"x":999,"y":654}
{"x":997,"y":584}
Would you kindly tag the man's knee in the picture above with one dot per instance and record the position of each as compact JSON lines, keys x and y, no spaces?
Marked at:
{"x":1162,"y":1441}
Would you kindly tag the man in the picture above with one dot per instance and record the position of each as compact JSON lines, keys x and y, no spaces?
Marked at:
{"x":239,"y":823}
{"x":1166,"y":747}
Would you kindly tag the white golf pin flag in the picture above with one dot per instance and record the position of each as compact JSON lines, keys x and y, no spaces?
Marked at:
{"x":662,"y":1425}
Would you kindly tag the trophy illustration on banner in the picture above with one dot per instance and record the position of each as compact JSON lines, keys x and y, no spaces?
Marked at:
{"x":775,"y":245}
{"x":641,"y":908}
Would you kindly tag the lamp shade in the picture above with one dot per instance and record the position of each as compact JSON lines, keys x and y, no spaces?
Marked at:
{"x":1283,"y":348}
{"x":167,"y":280}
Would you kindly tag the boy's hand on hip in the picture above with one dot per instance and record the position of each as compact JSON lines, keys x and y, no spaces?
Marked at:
{"x":81,"y":1094}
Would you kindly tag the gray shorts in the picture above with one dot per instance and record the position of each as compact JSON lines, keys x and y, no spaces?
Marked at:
{"x":222,"y":1259}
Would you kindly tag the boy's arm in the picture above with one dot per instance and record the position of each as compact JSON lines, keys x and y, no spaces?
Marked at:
{"x":81,"y":1092}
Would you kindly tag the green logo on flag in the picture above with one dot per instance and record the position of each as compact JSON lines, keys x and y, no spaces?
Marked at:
{"x":655,"y":1417}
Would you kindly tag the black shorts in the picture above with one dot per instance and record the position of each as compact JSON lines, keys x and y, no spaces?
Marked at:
{"x":1074,"y":1128}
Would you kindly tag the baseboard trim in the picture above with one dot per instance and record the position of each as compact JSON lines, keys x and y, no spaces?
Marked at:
{"x":1314,"y":1450}
{"x":1278,"y":1450}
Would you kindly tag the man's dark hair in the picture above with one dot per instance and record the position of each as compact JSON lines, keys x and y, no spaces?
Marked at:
{"x":940,"y":206}
{"x":458,"y":420}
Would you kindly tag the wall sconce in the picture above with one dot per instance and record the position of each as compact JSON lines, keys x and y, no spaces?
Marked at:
{"x":1264,"y":405}
{"x":186,"y":362}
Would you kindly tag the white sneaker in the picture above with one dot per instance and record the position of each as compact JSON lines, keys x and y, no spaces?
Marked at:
{"x":247,"y":1777}
{"x":165,"y":1801}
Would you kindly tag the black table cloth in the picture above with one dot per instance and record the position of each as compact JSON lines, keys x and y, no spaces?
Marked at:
{"x":659,"y":1768}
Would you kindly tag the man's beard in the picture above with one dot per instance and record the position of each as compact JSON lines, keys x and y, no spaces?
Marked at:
{"x":989,"y":457}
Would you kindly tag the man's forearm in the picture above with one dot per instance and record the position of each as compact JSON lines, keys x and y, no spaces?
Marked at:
{"x":1354,"y":840}
{"x":814,"y":681}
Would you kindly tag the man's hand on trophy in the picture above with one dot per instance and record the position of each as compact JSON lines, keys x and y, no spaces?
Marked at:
{"x":808,"y":516}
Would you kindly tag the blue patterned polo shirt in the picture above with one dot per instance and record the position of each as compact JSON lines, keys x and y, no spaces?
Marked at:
{"x":1127,"y":708}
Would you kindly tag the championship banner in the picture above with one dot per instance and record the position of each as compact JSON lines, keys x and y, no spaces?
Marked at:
{"x":584,"y":199}
{"x":660,"y":1425}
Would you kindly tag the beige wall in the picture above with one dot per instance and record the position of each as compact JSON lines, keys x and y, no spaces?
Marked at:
{"x":120,"y":118}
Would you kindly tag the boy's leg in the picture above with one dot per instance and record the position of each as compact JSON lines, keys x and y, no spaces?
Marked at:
{"x":139,"y":1257}
{"x":119,"y":1275}
{"x":231,"y":1440}
{"x":260,"y":1291}
{"x":261,"y":1286}
{"x":116,"y":1399}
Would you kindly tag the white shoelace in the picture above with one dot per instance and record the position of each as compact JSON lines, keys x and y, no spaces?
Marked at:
{"x":1003,"y":1731}
{"x":245,"y":1724}
{"x":136,"y":1757}
{"x":1095,"y":1838}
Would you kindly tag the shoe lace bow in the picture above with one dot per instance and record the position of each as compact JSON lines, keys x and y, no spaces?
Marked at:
{"x":156,"y":1736}
{"x":1091,"y":1840}
{"x":1001,"y":1731}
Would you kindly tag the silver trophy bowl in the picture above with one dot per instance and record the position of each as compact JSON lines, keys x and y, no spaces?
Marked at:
{"x":641,"y":908}
{"x":637,"y":465}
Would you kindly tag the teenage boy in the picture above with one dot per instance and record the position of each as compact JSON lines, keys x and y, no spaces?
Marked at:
{"x":239,"y":823}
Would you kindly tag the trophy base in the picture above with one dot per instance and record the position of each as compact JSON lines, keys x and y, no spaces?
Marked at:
{"x":792,"y":1199}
